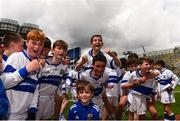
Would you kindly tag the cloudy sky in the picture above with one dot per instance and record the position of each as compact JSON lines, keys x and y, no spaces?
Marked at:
{"x":124,"y":24}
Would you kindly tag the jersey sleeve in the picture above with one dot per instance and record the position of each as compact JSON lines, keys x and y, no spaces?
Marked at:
{"x":125,"y":78}
{"x":33,"y":106}
{"x":13,"y":74}
{"x":175,"y":81}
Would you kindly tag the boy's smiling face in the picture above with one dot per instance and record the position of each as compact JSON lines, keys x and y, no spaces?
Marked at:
{"x":85,"y":96}
{"x":145,"y":67}
{"x":34,"y":47}
{"x":98,"y":68}
{"x":97,"y":43}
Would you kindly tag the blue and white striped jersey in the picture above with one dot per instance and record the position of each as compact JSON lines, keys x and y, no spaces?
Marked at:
{"x":88,"y":64}
{"x":22,"y":87}
{"x":167,"y":79}
{"x":98,"y":84}
{"x":51,"y":78}
{"x":147,"y":88}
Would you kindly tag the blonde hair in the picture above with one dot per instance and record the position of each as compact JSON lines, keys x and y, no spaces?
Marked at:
{"x":36,"y":35}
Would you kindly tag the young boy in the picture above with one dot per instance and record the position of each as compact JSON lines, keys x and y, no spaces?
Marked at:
{"x":84,"y":108}
{"x":168,"y":81}
{"x":96,"y":44}
{"x":97,"y":77}
{"x":132,"y":64}
{"x":51,"y":78}
{"x":46,"y":49}
{"x":141,"y":84}
{"x":12,"y":42}
{"x":111,"y":58}
{"x":20,"y":78}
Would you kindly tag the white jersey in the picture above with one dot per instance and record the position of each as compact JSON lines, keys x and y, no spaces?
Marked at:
{"x":167,"y":79}
{"x":138,"y":95}
{"x":89,"y":56}
{"x":51,"y":80}
{"x":72,"y":77}
{"x":22,"y":87}
{"x":125,"y":81}
{"x":147,"y":88}
{"x":71,"y":83}
{"x":112,"y":89}
{"x":98,"y":84}
{"x":51,"y":77}
{"x":4,"y":59}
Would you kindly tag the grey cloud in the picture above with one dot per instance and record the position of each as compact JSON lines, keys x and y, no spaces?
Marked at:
{"x":124,"y":24}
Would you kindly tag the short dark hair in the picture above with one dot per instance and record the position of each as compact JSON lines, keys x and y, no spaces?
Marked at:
{"x":133,"y":55}
{"x":161,"y":62}
{"x":84,"y":85}
{"x":132,"y":61}
{"x":47,"y":43}
{"x":97,"y":35}
{"x":60,"y":43}
{"x":142,"y":59}
{"x":11,"y":37}
{"x":99,"y":57}
{"x":123,"y":62}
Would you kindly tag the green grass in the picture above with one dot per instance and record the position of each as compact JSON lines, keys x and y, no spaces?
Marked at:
{"x":175,"y":107}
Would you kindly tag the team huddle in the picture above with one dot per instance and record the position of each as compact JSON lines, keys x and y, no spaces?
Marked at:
{"x":36,"y":86}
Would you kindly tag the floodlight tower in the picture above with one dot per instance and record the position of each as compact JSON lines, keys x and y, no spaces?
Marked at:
{"x":8,"y":25}
{"x":26,"y":27}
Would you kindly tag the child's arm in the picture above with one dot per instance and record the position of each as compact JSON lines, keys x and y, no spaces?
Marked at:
{"x":33,"y":108}
{"x":12,"y":76}
{"x":175,"y":81}
{"x":81,"y":62}
{"x":115,"y":58}
{"x":130,"y":85}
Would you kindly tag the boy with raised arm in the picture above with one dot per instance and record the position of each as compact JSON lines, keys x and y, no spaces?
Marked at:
{"x":20,"y":78}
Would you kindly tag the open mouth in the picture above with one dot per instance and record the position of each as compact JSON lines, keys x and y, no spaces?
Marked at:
{"x":97,"y":45}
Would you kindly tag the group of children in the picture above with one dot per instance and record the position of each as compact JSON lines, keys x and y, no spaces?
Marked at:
{"x":37,"y":85}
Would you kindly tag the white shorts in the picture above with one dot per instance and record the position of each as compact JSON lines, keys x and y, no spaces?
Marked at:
{"x":45,"y":107}
{"x":166,"y":97}
{"x":137,"y":104}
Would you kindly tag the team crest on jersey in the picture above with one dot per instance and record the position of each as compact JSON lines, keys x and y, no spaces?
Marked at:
{"x":90,"y":116}
{"x":62,"y":72}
